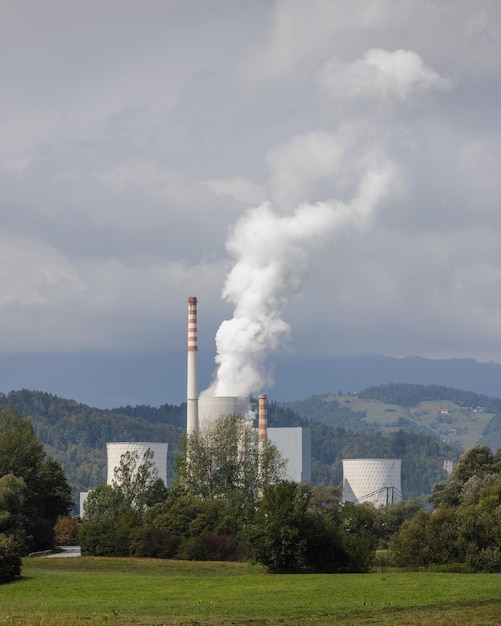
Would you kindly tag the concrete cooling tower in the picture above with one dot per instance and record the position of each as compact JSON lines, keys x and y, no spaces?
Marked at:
{"x":211,"y":408}
{"x":377,"y":481}
{"x":115,"y":451}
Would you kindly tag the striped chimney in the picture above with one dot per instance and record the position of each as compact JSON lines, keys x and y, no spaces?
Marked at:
{"x":192,"y":384}
{"x":262,"y":419}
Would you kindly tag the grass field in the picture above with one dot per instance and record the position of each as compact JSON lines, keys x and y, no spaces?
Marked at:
{"x":92,"y":591}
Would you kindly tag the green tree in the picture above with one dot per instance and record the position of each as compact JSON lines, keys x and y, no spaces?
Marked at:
{"x":391,"y":518}
{"x":223,"y":460}
{"x":135,"y":479}
{"x":113,"y":513}
{"x":46,"y":491}
{"x":280,"y":540}
{"x":409,"y":547}
{"x":298,"y":529}
{"x":10,"y":558}
{"x":476,"y":468}
{"x":12,"y":498}
{"x":360,"y":529}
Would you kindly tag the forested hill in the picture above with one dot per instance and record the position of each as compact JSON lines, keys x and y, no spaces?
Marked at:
{"x":462,"y":418}
{"x":410,"y":395}
{"x":76,"y":435}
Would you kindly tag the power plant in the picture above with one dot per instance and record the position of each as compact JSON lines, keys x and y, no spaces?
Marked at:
{"x":377,"y":481}
{"x":294,"y":444}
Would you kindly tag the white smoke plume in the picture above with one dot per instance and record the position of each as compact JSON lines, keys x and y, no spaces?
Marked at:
{"x":272,"y":254}
{"x":272,"y":251}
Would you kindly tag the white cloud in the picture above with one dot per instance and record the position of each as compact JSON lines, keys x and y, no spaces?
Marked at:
{"x":388,"y":77}
{"x":33,"y":274}
{"x":239,"y":188}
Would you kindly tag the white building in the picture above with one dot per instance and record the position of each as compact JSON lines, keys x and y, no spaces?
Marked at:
{"x":294,"y":444}
{"x":377,"y":481}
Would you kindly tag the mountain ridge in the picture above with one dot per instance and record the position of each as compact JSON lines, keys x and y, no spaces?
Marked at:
{"x":106,"y":380}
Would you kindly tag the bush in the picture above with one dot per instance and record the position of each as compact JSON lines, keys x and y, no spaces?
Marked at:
{"x":210,"y":547}
{"x":104,"y":539}
{"x":10,"y":558}
{"x":66,"y":531}
{"x":486,"y":560}
{"x":153,"y":542}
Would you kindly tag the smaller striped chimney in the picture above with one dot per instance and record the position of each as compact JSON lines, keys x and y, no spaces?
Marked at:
{"x":262,"y":419}
{"x":192,"y":383}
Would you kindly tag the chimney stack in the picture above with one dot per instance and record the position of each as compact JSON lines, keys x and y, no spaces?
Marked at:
{"x":192,"y":383}
{"x":262,"y":419}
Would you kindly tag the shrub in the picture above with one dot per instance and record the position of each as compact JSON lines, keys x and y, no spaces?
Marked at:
{"x":154,"y":542}
{"x":10,"y":558}
{"x":210,"y":547}
{"x":104,"y":539}
{"x":66,"y":531}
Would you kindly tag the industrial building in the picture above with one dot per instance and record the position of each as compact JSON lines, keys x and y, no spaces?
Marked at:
{"x":294,"y":444}
{"x":376,"y":481}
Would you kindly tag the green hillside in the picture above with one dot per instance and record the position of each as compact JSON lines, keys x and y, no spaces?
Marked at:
{"x":459,"y":418}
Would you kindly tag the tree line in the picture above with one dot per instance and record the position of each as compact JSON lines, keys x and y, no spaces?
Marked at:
{"x":409,"y":395}
{"x":463,"y":532}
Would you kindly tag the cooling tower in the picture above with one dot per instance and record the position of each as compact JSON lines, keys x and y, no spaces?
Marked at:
{"x":210,"y":408}
{"x":377,"y":481}
{"x":115,"y":451}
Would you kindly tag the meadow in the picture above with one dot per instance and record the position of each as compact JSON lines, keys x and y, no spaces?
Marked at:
{"x":112,"y":591}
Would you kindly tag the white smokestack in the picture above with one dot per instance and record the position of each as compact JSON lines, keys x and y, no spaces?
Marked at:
{"x":192,"y":383}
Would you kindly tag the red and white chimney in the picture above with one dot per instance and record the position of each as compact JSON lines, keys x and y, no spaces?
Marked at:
{"x":262,"y":419}
{"x":192,"y":383}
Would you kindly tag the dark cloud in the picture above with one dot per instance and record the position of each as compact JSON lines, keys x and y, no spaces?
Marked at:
{"x":134,"y":135}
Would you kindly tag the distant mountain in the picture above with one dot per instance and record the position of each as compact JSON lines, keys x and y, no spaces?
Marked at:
{"x":108,"y":380}
{"x":298,"y":378}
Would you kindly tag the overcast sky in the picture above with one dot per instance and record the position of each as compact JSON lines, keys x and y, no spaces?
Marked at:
{"x":134,"y":135}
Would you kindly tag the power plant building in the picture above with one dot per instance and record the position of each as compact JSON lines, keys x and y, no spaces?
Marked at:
{"x":377,"y":481}
{"x":294,"y":444}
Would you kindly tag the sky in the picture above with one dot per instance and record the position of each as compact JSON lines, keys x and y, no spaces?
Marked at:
{"x":322,"y":175}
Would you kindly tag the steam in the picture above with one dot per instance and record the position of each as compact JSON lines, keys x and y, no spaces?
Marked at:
{"x":272,"y":251}
{"x":272,"y":254}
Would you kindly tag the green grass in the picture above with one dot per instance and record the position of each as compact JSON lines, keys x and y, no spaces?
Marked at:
{"x":138,"y":591}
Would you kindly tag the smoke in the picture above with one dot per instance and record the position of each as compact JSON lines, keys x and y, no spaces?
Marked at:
{"x":272,"y":250}
{"x":272,"y":254}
